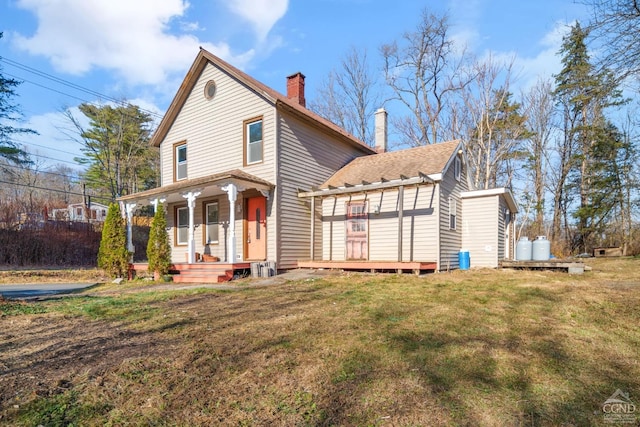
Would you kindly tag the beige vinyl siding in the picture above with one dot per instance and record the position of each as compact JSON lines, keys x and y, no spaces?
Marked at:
{"x":383,"y":227}
{"x":451,"y":240}
{"x":480,"y":230}
{"x":214,"y":131}
{"x":419,"y":225}
{"x":333,"y":229}
{"x":307,"y":158}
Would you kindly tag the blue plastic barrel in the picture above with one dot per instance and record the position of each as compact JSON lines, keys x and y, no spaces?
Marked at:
{"x":464,"y":260}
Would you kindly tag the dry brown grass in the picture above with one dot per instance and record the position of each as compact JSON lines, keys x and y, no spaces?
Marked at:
{"x":51,"y":275}
{"x":468,"y":348}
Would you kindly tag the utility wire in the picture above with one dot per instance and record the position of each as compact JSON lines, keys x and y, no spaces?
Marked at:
{"x":44,"y":146}
{"x":68,"y":84}
{"x":56,"y":190}
{"x":70,"y":177}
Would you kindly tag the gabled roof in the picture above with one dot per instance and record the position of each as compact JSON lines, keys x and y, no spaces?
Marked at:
{"x":394,"y":165}
{"x":280,"y":101}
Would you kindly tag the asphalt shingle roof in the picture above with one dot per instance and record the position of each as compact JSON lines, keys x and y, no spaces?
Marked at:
{"x":429,"y":159}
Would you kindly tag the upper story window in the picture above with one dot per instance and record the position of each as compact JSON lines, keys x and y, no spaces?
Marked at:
{"x":180,"y":161}
{"x":457,"y":167}
{"x":253,"y":141}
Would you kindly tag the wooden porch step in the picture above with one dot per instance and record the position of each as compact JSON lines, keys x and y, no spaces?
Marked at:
{"x":202,"y":275}
{"x":201,"y":272}
{"x":203,"y":278}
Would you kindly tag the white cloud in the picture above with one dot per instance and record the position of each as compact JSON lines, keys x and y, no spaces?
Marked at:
{"x":129,"y":37}
{"x":547,"y":62}
{"x":53,"y":145}
{"x":262,"y":14}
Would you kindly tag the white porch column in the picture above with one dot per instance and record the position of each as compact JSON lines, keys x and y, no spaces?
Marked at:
{"x":232,"y":193}
{"x":129,"y":207}
{"x":154,"y":203}
{"x":191,"y":245}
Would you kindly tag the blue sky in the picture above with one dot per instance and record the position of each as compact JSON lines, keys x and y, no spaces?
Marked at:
{"x":140,"y":50}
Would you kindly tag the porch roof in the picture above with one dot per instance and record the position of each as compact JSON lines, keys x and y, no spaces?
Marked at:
{"x":173,"y":192}
{"x":390,"y":169}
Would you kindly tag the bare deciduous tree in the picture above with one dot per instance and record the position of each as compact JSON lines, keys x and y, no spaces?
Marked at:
{"x":348,"y":96}
{"x":494,"y":125}
{"x":424,"y":72}
{"x":616,"y":25}
{"x":539,"y":107}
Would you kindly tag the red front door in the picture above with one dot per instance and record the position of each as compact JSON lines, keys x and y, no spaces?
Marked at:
{"x":357,"y":233}
{"x":256,"y":230}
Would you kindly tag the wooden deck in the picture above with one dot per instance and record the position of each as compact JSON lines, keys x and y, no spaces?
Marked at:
{"x":373,"y":266}
{"x":200,"y":272}
{"x":570,"y":267}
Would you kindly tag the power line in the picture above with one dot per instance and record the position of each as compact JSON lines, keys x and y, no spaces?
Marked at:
{"x":35,"y":171}
{"x":56,"y":190}
{"x":68,"y":84}
{"x":45,"y":147}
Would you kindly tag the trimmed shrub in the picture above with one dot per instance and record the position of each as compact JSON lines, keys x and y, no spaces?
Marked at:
{"x":113,"y":256}
{"x":158,"y":248}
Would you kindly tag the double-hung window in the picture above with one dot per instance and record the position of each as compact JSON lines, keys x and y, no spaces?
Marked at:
{"x":182,"y":226}
{"x":180,"y":161}
{"x":253,"y":141}
{"x":212,"y":222}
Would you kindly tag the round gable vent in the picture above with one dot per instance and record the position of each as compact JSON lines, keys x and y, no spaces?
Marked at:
{"x":210,"y":89}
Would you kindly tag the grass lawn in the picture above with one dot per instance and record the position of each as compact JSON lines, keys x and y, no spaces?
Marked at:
{"x":476,"y":348}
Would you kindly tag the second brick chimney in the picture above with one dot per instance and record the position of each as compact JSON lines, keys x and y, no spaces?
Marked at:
{"x":295,"y":88}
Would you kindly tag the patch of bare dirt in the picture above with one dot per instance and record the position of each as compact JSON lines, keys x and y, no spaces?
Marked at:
{"x":43,"y":354}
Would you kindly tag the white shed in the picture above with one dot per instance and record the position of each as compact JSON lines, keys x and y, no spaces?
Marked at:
{"x":488,"y":226}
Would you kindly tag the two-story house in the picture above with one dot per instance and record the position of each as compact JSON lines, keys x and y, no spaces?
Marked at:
{"x":233,"y":155}
{"x":243,"y":168}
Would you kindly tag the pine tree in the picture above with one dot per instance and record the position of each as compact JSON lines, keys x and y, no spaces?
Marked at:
{"x":158,"y":248}
{"x":10,"y":114}
{"x":584,"y":94}
{"x":113,"y":256}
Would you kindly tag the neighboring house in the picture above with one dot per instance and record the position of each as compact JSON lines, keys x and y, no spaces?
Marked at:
{"x":78,"y":212}
{"x":243,"y":167}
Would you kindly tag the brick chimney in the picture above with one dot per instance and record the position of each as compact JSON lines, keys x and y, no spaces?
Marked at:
{"x":381,"y":130}
{"x":295,"y":88}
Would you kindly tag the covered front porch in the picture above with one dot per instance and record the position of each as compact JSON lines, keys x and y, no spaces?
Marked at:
{"x":217,"y":224}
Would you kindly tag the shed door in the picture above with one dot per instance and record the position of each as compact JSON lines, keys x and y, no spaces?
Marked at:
{"x":357,"y":231}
